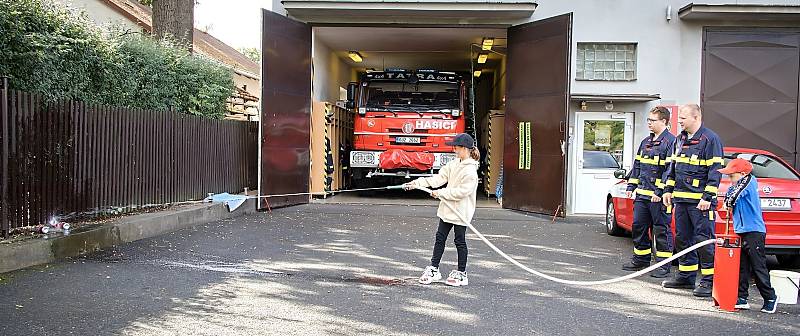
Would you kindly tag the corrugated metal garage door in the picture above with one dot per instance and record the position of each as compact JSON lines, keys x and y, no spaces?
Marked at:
{"x":750,"y":88}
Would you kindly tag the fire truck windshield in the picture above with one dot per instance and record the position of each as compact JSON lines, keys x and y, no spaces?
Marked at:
{"x":419,"y":97}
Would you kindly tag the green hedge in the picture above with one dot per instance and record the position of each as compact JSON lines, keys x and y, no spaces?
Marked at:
{"x":47,"y":49}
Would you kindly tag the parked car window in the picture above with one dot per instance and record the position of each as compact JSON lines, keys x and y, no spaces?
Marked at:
{"x":599,"y":160}
{"x":765,"y":166}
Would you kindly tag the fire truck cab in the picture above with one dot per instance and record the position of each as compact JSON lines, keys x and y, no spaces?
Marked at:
{"x":403,"y":120}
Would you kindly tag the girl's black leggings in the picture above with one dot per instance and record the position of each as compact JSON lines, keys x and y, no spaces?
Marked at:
{"x":460,"y":240}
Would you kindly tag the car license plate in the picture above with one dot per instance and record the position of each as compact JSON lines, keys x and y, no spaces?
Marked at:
{"x":408,"y":140}
{"x":775,"y":204}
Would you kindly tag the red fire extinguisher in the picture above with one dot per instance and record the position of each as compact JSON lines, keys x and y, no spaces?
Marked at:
{"x":726,"y":267}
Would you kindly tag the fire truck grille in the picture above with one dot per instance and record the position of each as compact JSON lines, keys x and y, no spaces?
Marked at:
{"x":400,"y":130}
{"x":408,"y":144}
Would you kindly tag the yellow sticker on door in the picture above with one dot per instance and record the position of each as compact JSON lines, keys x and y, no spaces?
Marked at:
{"x":528,"y":145}
{"x":521,"y":157}
{"x":524,"y":145}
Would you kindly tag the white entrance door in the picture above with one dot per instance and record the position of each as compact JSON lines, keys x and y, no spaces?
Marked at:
{"x":603,"y":144}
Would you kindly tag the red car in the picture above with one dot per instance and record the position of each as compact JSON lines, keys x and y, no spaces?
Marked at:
{"x":779,"y":186}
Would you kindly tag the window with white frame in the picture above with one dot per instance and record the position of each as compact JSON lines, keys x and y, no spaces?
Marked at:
{"x":606,"y":61}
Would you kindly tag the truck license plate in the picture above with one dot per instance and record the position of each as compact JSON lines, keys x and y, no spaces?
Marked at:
{"x":408,"y":140}
{"x":775,"y":204}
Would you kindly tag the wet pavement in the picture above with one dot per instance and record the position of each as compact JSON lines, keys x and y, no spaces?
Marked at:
{"x":343,"y":269}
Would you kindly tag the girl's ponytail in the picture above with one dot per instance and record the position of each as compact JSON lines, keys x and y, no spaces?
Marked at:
{"x":475,"y":154}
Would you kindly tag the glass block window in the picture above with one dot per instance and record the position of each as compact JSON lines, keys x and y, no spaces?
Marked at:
{"x":606,"y":61}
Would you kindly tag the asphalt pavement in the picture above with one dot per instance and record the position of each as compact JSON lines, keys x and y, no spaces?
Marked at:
{"x":344,"y":269}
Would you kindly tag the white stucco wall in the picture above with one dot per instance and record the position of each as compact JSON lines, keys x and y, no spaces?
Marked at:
{"x":330,"y":73}
{"x":101,"y":14}
{"x":668,"y":52}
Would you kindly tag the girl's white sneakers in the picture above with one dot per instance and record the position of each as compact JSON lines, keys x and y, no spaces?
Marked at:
{"x":457,"y":279}
{"x":431,"y":274}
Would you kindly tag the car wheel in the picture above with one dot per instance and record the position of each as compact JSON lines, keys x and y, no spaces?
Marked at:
{"x":789,"y":260}
{"x":611,"y":220}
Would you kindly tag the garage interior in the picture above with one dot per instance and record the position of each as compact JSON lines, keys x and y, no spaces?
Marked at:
{"x":533,"y":95}
{"x":459,"y":50}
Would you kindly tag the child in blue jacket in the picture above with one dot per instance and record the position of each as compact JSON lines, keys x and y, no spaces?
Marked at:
{"x":743,"y":201}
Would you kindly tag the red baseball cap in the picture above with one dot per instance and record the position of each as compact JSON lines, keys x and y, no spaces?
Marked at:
{"x":737,"y":166}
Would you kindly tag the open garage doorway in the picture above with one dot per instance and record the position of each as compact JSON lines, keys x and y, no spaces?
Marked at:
{"x":366,"y":55}
{"x":516,"y":99}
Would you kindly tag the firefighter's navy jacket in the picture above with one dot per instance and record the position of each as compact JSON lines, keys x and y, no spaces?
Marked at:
{"x":692,"y":173}
{"x":650,"y":166}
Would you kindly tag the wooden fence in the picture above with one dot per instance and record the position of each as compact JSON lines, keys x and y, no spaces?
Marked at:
{"x":73,"y":159}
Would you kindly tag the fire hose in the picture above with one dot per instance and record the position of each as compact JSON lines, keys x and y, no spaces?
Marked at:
{"x":484,"y":239}
{"x":517,"y":263}
{"x":559,"y":280}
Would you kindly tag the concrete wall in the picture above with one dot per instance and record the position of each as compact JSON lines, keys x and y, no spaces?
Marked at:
{"x":101,"y":14}
{"x":330,"y":73}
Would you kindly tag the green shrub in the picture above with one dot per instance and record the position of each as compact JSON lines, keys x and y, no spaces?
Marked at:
{"x":47,"y":49}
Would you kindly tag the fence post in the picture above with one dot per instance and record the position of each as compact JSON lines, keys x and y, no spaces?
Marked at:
{"x":4,"y":156}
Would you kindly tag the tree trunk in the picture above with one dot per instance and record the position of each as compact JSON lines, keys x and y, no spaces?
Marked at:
{"x":174,"y":19}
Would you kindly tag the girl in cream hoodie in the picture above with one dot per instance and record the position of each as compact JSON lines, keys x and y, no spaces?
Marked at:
{"x":461,"y":178}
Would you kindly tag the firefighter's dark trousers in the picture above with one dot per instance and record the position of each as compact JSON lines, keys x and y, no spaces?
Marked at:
{"x":692,"y":226}
{"x":651,"y":219}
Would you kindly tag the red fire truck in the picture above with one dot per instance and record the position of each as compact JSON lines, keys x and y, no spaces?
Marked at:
{"x":402,"y":122}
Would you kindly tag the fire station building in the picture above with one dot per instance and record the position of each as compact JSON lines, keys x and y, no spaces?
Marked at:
{"x":563,"y":86}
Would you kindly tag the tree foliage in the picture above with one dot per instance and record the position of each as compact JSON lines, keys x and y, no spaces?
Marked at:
{"x":49,"y":50}
{"x":252,"y":53}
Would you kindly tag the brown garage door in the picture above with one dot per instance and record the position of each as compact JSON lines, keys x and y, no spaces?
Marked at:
{"x":750,"y":88}
{"x":536,"y":115}
{"x":285,"y":109}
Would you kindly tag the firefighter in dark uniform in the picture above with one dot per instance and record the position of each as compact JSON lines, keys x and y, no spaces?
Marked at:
{"x":647,"y":180}
{"x":692,"y":184}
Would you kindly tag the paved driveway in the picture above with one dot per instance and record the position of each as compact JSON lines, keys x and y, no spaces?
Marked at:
{"x":334,"y":269}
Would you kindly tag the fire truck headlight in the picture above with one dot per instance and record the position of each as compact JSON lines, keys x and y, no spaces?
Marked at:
{"x":456,"y":113}
{"x":362,"y":110}
{"x":362,"y":158}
